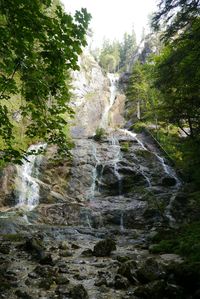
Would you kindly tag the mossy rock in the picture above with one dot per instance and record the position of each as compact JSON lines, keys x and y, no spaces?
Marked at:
{"x":150,"y":270}
{"x":159,"y":289}
{"x":104,"y":247}
{"x":128,"y":270}
{"x":121,"y":282}
{"x":79,"y":292}
{"x":13,"y":237}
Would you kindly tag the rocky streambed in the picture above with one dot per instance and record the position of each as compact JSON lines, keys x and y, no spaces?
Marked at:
{"x":52,"y":262}
{"x":91,"y":234}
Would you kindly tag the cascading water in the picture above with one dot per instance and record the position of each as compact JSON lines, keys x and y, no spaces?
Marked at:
{"x":134,"y":136}
{"x":113,"y":163}
{"x":167,"y":170}
{"x":91,"y":194}
{"x":105,"y":117}
{"x":104,"y":123}
{"x":27,"y":187}
{"x":117,"y":158}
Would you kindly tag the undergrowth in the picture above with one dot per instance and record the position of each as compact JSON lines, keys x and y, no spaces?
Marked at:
{"x":185,"y":242}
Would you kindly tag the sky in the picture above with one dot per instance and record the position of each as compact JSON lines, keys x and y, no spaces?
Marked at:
{"x":112,"y":18}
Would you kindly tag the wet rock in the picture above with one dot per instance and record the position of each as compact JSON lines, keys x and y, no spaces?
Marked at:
{"x":168,"y":259}
{"x":4,"y":286}
{"x":87,"y":252}
{"x":46,"y":259}
{"x":128,"y":270}
{"x":46,"y":271}
{"x":46,"y":283}
{"x":66,"y":253}
{"x":79,"y":292}
{"x":79,"y":276}
{"x":150,"y":270}
{"x":64,"y":245}
{"x":104,"y":247}
{"x":35,"y":247}
{"x":63,"y":269}
{"x":159,"y":289}
{"x":101,"y":281}
{"x":168,"y":181}
{"x":121,"y":282}
{"x":23,"y":294}
{"x":61,"y":279}
{"x":75,"y":246}
{"x":30,"y":282}
{"x":10,"y":275}
{"x":123,"y":259}
{"x":5,"y":248}
{"x":63,"y":290}
{"x":32,"y":275}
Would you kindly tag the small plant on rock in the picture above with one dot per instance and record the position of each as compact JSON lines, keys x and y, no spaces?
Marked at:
{"x":99,"y":134}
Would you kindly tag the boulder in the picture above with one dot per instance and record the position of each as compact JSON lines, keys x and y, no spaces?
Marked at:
{"x":168,"y":181}
{"x":121,"y":282}
{"x":159,"y":289}
{"x":23,"y":294}
{"x":150,"y":270}
{"x":128,"y":270}
{"x":104,"y":247}
{"x":79,"y":292}
{"x":87,"y":252}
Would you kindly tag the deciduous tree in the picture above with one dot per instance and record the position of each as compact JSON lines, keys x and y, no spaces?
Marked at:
{"x":39,"y":45}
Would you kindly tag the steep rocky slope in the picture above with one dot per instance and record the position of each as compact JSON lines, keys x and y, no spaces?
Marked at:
{"x":90,"y":235}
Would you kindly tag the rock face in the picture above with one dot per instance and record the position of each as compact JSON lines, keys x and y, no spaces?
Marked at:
{"x":7,"y":186}
{"x":89,"y":235}
{"x":91,"y":96}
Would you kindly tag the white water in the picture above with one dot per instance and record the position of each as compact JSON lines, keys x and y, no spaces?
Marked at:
{"x":134,"y":136}
{"x":118,"y":156}
{"x":167,"y":169}
{"x":104,"y":123}
{"x":105,"y":117}
{"x":122,"y":222}
{"x":91,"y":193}
{"x":26,"y":185}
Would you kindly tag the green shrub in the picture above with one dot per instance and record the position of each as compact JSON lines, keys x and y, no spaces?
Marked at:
{"x":185,"y":242}
{"x":125,"y":146}
{"x":99,"y":134}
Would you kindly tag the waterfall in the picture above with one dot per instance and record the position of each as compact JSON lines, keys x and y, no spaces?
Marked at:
{"x":167,"y":170}
{"x":134,"y":136}
{"x":116,"y":146}
{"x":105,"y":117}
{"x":116,"y":158}
{"x":91,"y":194}
{"x":104,"y":122}
{"x":26,"y":183}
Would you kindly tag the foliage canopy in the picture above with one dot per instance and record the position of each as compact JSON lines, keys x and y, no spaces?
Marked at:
{"x":39,"y":45}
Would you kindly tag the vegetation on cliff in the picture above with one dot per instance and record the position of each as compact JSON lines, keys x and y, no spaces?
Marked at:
{"x":166,"y":86}
{"x":164,"y":98}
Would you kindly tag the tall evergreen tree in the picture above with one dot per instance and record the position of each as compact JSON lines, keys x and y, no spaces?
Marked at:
{"x":175,"y":16}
